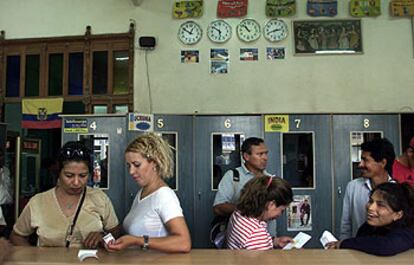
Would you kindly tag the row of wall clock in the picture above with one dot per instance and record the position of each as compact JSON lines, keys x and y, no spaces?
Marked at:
{"x":219,"y":31}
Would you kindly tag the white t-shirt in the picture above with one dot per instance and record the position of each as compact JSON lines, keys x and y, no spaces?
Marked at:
{"x":149,"y":215}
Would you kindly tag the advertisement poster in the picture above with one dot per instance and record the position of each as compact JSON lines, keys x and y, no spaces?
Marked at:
{"x":140,"y":122}
{"x":276,"y":123}
{"x":273,"y":53}
{"x":75,"y":126}
{"x":190,"y":56}
{"x":299,"y":214}
{"x":219,"y":61}
{"x":249,"y":54}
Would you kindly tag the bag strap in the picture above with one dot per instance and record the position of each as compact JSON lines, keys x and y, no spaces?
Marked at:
{"x":236,"y":175}
{"x":72,"y":226}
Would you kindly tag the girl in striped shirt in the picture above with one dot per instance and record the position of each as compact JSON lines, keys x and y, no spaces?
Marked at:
{"x":262,"y":199}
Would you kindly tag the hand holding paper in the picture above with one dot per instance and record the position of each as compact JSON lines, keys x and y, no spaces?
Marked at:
{"x":326,"y":238}
{"x":299,"y":241}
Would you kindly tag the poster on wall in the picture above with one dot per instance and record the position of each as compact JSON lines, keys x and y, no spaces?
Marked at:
{"x":299,"y":214}
{"x":249,"y":54}
{"x":219,"y":61}
{"x":274,"y":53}
{"x":276,"y":123}
{"x":190,"y":56}
{"x":140,"y":122}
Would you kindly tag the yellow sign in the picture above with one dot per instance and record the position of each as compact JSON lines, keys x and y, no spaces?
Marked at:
{"x":276,"y":123}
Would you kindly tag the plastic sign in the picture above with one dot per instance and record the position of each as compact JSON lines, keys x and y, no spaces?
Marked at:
{"x":276,"y":123}
{"x":141,"y":122}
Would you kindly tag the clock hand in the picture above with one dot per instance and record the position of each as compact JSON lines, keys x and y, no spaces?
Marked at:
{"x":276,"y":29}
{"x":246,"y":28}
{"x":219,"y":31}
{"x":189,"y":32}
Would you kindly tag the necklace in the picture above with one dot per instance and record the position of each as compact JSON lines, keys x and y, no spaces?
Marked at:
{"x":67,"y":205}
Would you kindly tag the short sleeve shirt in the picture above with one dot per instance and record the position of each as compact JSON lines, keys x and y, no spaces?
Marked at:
{"x":149,"y":215}
{"x":44,"y":216}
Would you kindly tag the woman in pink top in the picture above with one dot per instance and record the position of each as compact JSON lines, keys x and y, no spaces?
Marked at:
{"x":403,"y":167}
{"x":262,"y":199}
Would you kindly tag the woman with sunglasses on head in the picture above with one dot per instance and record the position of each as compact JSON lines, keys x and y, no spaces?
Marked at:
{"x":389,"y":228}
{"x":70,"y":214}
{"x":155,"y":220}
{"x":262,"y":199}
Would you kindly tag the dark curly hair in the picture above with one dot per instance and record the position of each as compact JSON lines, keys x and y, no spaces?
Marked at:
{"x":259,"y":191}
{"x":400,"y":197}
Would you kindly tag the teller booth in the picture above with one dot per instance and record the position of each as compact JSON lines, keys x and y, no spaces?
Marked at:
{"x":217,"y":142}
{"x":299,"y":152}
{"x":106,"y":137}
{"x":177,"y":130}
{"x":349,"y":132}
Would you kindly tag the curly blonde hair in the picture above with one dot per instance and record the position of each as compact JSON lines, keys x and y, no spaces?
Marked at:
{"x":155,"y":149}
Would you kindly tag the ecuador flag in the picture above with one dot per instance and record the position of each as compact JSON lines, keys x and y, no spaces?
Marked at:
{"x":42,"y":113}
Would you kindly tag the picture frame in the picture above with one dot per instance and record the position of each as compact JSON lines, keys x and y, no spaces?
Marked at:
{"x":317,"y":37}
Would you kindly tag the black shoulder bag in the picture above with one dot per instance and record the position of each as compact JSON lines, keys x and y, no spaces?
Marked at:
{"x":219,"y":224}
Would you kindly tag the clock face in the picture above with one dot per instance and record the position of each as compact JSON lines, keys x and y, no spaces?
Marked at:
{"x":190,"y":32}
{"x":275,"y":30}
{"x":248,"y":30}
{"x":219,"y":31}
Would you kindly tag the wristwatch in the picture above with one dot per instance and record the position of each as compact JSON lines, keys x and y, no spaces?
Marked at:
{"x":145,"y":246}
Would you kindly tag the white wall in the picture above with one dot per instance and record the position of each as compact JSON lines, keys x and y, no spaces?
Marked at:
{"x":380,"y":80}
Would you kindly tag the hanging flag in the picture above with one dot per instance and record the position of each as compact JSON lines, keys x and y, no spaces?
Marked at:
{"x":280,"y":8}
{"x":231,"y":8}
{"x":42,"y":113}
{"x":188,"y":9}
{"x":322,"y":8}
{"x":365,"y":8}
{"x":402,"y":8}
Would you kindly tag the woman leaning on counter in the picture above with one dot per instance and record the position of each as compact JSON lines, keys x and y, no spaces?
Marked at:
{"x":389,"y":228}
{"x":69,"y":214}
{"x":155,"y":219}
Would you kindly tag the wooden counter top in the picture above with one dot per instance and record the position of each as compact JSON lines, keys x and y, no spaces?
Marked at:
{"x":58,"y":256}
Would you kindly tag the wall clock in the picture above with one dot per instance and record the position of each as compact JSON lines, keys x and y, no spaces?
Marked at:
{"x":189,"y":33}
{"x":219,"y":31}
{"x":248,"y":30}
{"x":275,"y":30}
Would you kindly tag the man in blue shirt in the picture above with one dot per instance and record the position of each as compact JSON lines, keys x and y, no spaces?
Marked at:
{"x":254,"y":153}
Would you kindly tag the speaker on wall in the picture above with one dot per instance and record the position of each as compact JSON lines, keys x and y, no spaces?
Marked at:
{"x":147,"y":42}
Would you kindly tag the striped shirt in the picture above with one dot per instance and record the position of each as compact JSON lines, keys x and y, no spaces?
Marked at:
{"x":247,"y":233}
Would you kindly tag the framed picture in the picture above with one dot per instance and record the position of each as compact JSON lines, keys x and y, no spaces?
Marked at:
{"x":328,"y":36}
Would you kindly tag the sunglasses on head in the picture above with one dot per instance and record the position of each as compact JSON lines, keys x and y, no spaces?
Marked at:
{"x":68,"y":153}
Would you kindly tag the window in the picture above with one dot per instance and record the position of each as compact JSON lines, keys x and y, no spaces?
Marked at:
{"x":93,"y":69}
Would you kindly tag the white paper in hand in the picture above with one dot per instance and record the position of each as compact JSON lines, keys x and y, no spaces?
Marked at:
{"x":108,"y":239}
{"x":87,"y":253}
{"x":299,"y":241}
{"x":326,"y":238}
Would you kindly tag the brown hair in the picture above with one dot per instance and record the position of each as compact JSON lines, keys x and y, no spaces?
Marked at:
{"x":259,"y":191}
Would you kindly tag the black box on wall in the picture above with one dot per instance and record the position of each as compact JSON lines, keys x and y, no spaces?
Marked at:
{"x":147,"y":42}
